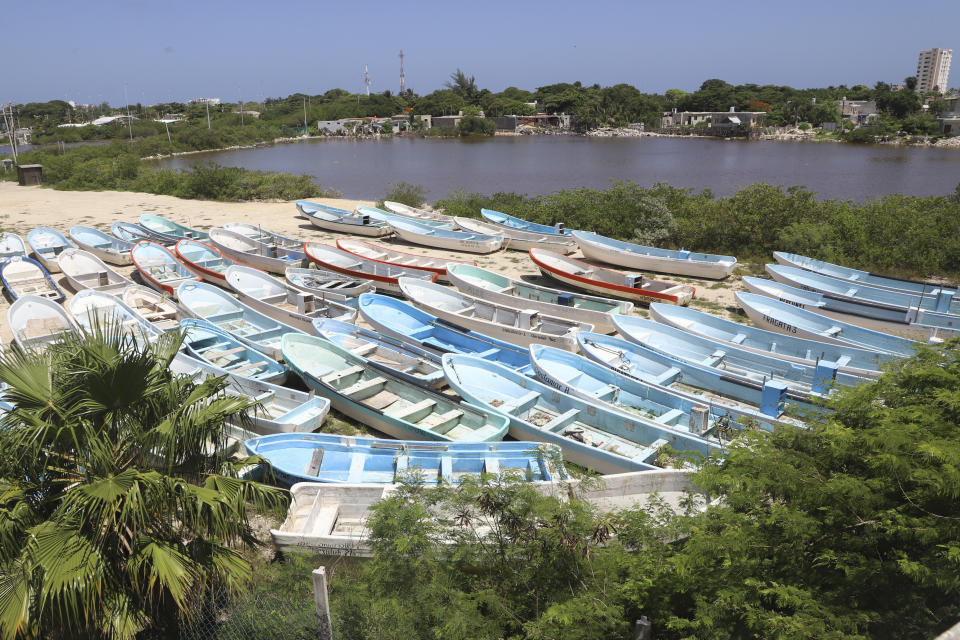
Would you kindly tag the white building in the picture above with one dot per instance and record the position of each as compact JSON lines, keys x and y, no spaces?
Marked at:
{"x":933,"y":70}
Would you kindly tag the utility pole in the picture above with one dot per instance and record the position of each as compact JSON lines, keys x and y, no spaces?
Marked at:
{"x":241,"y":110}
{"x":8,"y":123}
{"x":207,"y":102}
{"x":403,"y":77}
{"x":129,"y":122}
{"x":366,"y":78}
{"x":304,"y":114}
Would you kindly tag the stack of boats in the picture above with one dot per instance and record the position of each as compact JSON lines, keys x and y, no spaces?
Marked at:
{"x":562,"y":366}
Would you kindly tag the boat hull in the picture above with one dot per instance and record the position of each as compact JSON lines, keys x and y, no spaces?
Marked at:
{"x":610,"y":254}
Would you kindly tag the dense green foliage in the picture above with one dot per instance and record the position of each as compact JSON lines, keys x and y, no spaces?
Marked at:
{"x":413,"y":195}
{"x":116,"y":514}
{"x":899,"y":234}
{"x":847,"y":530}
{"x":114,"y":167}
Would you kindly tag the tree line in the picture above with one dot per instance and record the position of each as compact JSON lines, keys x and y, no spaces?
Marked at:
{"x":591,"y":105}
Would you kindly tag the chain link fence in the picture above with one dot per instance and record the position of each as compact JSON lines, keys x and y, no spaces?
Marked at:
{"x":253,"y":616}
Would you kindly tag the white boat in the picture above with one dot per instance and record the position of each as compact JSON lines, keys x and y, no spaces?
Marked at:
{"x":47,"y":244}
{"x":498,"y":288}
{"x":515,"y":325}
{"x":263,"y":236}
{"x":157,"y":308}
{"x":86,"y":271}
{"x":340,"y":220}
{"x":91,"y":309}
{"x":413,"y":212}
{"x":517,"y":239}
{"x":389,"y":255}
{"x":37,"y":322}
{"x":636,"y":256}
{"x":255,"y":254}
{"x":384,"y":276}
{"x":331,"y":519}
{"x":278,"y":300}
{"x":104,"y":246}
{"x":417,"y":233}
{"x":11,"y":245}
{"x":329,"y":284}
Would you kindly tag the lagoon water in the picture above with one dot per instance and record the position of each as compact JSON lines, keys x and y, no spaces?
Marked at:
{"x":540,"y":164}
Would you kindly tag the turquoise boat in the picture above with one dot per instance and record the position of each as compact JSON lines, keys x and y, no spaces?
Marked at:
{"x":207,"y":302}
{"x":212,"y":345}
{"x":406,"y":322}
{"x":166,"y":226}
{"x":512,"y":222}
{"x":487,"y":285}
{"x":589,"y":434}
{"x":594,"y":382}
{"x":383,"y":402}
{"x":322,"y":457}
{"x":850,"y":359}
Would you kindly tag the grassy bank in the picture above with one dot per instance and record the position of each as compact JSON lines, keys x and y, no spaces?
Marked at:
{"x":906,"y":235}
{"x":115,"y":167}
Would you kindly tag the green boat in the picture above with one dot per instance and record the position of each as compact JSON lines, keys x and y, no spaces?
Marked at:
{"x":493,"y":287}
{"x":383,"y":402}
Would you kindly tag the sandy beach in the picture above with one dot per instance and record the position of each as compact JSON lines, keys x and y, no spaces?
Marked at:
{"x":24,"y":208}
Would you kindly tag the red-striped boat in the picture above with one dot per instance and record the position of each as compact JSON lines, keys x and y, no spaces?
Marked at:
{"x":617,"y":284}
{"x":389,"y":255}
{"x":159,"y":268}
{"x":384,"y":276}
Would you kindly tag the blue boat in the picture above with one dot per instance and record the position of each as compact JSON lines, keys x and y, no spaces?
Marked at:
{"x":912,"y":323}
{"x":102,"y":245}
{"x":405,"y":322}
{"x":397,"y":358}
{"x":512,"y":222}
{"x":386,"y":217}
{"x":322,"y":457}
{"x":852,"y":360}
{"x":207,"y":302}
{"x":218,"y":348}
{"x":880,"y":303}
{"x":47,"y":245}
{"x":594,"y":382}
{"x":784,"y":316}
{"x":734,"y":362}
{"x":857,"y":277}
{"x":335,"y":219}
{"x":383,"y":402}
{"x":772,"y":397}
{"x":589,"y":434}
{"x":23,"y":276}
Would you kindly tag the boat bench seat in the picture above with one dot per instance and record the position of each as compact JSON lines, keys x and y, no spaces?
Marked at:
{"x":517,"y":406}
{"x":441,"y":423}
{"x":419,"y":333}
{"x":668,"y":376}
{"x":363,"y":385}
{"x":331,"y":378}
{"x":248,"y":367}
{"x":843,"y":361}
{"x":489,"y":353}
{"x":563,"y":420}
{"x":670,"y":416}
{"x":832,"y":331}
{"x":323,"y":521}
{"x":365,"y":349}
{"x":739,"y":338}
{"x":40,"y":327}
{"x":714,"y":358}
{"x":607,"y":393}
{"x":220,"y":353}
{"x":410,"y":410}
{"x":650,"y":451}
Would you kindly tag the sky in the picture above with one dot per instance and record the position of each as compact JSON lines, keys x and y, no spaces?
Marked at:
{"x":175,"y":50}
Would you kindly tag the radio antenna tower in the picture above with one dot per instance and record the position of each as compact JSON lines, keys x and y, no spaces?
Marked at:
{"x":366,"y":78}
{"x":403,"y":77}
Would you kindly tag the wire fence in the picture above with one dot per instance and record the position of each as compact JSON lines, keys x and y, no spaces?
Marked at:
{"x":253,"y":616}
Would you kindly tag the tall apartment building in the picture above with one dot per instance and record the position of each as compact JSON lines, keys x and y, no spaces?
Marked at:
{"x":933,"y":70}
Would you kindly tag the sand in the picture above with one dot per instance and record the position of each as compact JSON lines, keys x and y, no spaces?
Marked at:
{"x":24,"y":208}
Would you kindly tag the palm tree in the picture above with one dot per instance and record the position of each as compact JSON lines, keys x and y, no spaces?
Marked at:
{"x":117,"y":512}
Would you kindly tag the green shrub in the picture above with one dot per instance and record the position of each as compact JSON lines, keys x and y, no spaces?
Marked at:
{"x":413,"y":195}
{"x":474,"y":126}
